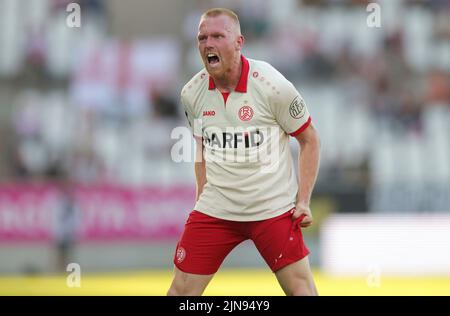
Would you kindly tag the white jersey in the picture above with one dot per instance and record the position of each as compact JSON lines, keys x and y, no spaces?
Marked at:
{"x":249,"y":168}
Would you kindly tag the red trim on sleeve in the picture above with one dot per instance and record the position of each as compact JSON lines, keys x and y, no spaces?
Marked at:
{"x":302,"y":128}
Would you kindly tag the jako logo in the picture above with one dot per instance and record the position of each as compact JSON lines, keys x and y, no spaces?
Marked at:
{"x":209,"y":113}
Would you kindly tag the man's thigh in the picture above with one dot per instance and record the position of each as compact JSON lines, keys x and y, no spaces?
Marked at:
{"x":279,"y":240}
{"x":297,"y":279}
{"x":205,"y":243}
{"x":188,"y":284}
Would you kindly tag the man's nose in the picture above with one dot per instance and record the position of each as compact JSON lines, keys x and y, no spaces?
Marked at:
{"x":208,"y":42}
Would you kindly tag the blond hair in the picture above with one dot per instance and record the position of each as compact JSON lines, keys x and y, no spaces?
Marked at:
{"x":211,"y":13}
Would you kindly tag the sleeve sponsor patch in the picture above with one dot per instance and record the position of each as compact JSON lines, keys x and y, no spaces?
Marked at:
{"x":297,"y":109}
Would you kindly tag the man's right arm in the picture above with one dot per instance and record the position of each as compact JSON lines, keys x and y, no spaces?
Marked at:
{"x":200,"y":167}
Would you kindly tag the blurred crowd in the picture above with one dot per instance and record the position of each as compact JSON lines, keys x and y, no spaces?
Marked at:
{"x":102,"y":108}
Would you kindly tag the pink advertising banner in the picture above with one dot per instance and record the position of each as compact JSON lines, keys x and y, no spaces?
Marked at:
{"x":36,"y":212}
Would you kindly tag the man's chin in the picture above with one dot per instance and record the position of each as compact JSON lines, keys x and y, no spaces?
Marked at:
{"x":213,"y":71}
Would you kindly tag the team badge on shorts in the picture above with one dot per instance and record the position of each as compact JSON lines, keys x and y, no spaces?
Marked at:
{"x":181,"y":254}
{"x":245,"y":113}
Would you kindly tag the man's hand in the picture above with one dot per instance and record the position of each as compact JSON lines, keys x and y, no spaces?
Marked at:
{"x":308,"y":166}
{"x":300,"y":209}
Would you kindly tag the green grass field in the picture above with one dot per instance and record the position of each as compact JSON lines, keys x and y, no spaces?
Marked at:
{"x":226,"y":282}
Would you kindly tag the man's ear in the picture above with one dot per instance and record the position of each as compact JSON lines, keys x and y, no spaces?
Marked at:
{"x":240,"y":42}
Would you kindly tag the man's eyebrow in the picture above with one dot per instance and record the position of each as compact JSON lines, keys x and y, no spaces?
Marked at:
{"x":199,"y":36}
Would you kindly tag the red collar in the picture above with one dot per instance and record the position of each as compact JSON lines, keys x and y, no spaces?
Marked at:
{"x":242,"y":84}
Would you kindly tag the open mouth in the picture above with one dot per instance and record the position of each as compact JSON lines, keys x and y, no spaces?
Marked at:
{"x":212,"y":58}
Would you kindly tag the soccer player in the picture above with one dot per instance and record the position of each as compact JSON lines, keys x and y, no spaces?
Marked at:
{"x":245,"y":107}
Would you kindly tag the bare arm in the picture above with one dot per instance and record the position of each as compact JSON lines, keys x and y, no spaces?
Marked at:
{"x":308,"y":166}
{"x":200,"y":168}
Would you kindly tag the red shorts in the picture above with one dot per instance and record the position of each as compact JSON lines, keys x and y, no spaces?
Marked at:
{"x":206,"y":241}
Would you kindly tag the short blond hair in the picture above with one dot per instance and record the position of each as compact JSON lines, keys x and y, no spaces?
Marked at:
{"x":211,"y":13}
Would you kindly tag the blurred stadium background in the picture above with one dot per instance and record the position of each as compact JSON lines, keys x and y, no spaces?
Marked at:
{"x":86,"y":115}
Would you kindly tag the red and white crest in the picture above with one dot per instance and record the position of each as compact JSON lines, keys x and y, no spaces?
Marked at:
{"x":245,"y":113}
{"x":181,"y":254}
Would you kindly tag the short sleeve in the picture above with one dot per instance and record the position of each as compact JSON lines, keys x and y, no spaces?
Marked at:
{"x":290,"y":109}
{"x":193,"y":121}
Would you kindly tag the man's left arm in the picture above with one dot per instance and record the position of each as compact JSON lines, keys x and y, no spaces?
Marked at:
{"x":308,"y":167}
{"x":292,"y":115}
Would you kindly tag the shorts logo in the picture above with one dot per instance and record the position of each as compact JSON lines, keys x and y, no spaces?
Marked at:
{"x":245,"y":113}
{"x":181,"y":254}
{"x":255,"y":74}
{"x":297,"y":108}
